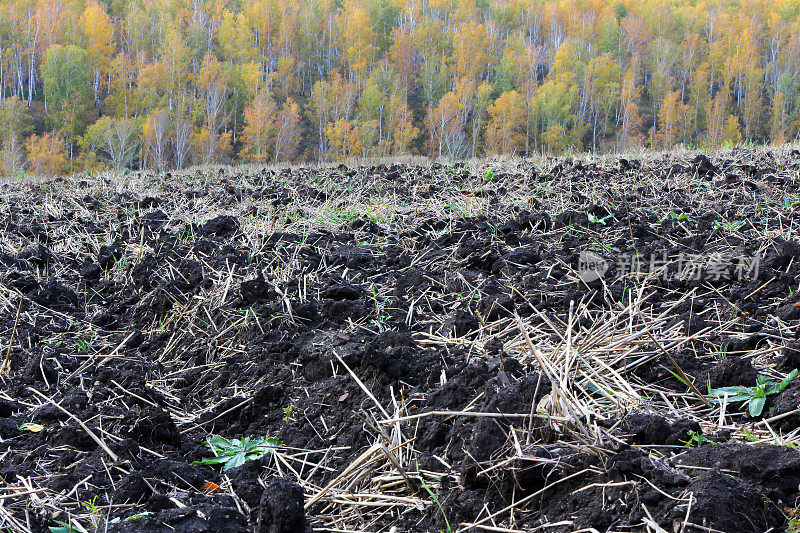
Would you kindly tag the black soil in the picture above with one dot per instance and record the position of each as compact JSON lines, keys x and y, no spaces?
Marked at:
{"x":166,"y":309}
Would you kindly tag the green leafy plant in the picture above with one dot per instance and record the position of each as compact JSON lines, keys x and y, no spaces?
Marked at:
{"x":792,"y":520}
{"x":86,"y":345}
{"x":594,"y":219}
{"x":734,"y":225}
{"x":749,"y":435}
{"x":380,"y":306}
{"x":672,"y":215}
{"x":94,"y":511}
{"x":489,"y":175}
{"x":436,"y":501}
{"x":62,"y":527}
{"x":753,"y":398}
{"x":287,"y":413}
{"x":131,"y":517}
{"x":598,"y":246}
{"x":234,"y":452}
{"x":786,"y":204}
{"x":697,"y":439}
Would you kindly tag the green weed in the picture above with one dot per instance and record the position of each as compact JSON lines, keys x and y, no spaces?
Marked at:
{"x":733,"y":225}
{"x":697,"y":439}
{"x":594,"y":219}
{"x":436,"y":501}
{"x":62,"y":527}
{"x":234,"y":452}
{"x":753,"y":398}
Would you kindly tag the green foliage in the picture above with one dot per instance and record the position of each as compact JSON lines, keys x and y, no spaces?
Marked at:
{"x":749,"y":435}
{"x":14,"y":118}
{"x":734,"y":225}
{"x":234,"y":452}
{"x":697,"y":439}
{"x":94,"y":511}
{"x":753,"y":398}
{"x":436,"y":501}
{"x":672,"y":215}
{"x":62,"y":527}
{"x":116,"y":140}
{"x":594,"y":219}
{"x":131,"y":517}
{"x":786,"y":204}
{"x":66,"y":85}
{"x":793,"y":520}
{"x":599,"y":246}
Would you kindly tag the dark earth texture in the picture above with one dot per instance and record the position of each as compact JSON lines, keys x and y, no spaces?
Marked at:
{"x":315,"y":305}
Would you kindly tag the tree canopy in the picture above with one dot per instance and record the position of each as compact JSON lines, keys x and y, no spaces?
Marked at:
{"x":213,"y":81}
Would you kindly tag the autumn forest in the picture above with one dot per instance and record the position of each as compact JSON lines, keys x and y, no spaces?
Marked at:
{"x":164,"y":84}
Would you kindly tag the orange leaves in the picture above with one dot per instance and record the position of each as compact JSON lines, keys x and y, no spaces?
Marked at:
{"x":671,"y":128}
{"x":343,"y":137}
{"x":629,"y":133}
{"x":175,"y":57}
{"x":46,"y":154}
{"x":286,"y":82}
{"x":212,"y":74}
{"x":287,"y":132}
{"x":210,"y":147}
{"x":471,"y":49}
{"x":210,"y":486}
{"x":505,"y":132}
{"x":359,"y":40}
{"x":96,"y":25}
{"x":332,"y":102}
{"x":401,"y":125}
{"x":591,"y":71}
{"x":259,"y":120}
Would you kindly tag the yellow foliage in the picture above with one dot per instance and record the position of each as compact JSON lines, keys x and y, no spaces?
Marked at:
{"x":96,"y":24}
{"x":259,"y":120}
{"x":46,"y":154}
{"x":401,"y":125}
{"x":343,"y":137}
{"x":555,"y":73}
{"x":505,"y":132}
{"x":287,"y":131}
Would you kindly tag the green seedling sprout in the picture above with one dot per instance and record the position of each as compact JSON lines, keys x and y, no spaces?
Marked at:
{"x":62,"y":527}
{"x":94,"y":512}
{"x":672,"y":215}
{"x":234,"y":452}
{"x":753,"y":398}
{"x":734,"y":225}
{"x":594,"y":219}
{"x":787,"y":204}
{"x":436,"y":501}
{"x":697,"y":439}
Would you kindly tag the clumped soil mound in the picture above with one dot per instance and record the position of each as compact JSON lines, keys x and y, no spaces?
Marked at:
{"x":426,"y":343}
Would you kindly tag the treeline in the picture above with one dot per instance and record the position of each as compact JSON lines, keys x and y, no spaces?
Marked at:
{"x":167,"y":83}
